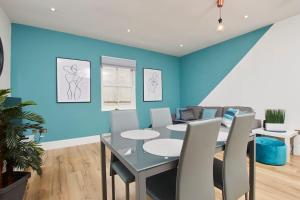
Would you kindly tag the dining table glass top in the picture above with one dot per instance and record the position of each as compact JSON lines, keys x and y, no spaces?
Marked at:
{"x":133,"y":153}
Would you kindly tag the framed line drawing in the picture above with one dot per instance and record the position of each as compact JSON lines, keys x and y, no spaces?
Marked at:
{"x":1,"y":57}
{"x":153,"y":89}
{"x":73,"y":80}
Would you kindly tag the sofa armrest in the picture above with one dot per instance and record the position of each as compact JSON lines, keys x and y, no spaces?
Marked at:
{"x":257,"y":124}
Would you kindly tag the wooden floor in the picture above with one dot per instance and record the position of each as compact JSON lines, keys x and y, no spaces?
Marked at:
{"x":74,"y":174}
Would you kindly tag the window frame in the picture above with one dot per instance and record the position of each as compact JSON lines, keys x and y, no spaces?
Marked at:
{"x":133,"y":93}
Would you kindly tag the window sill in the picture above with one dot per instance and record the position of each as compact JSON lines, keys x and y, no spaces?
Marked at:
{"x":121,"y":108}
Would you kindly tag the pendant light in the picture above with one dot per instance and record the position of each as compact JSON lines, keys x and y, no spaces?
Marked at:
{"x":220,"y":4}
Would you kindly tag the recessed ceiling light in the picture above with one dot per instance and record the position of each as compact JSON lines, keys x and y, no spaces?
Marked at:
{"x":128,"y":30}
{"x":53,"y":9}
{"x":181,"y":45}
{"x":246,"y":16}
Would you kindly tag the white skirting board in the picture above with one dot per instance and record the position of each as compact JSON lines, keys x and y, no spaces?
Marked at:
{"x":70,"y":142}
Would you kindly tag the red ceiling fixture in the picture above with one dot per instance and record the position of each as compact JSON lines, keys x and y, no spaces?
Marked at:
{"x":220,"y":4}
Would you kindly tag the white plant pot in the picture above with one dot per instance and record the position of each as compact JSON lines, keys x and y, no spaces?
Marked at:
{"x":275,"y":127}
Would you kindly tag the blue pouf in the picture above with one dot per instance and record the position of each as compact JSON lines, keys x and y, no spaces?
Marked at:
{"x":270,"y":151}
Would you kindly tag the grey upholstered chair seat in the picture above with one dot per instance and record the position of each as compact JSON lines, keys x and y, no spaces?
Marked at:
{"x":123,"y":172}
{"x":218,"y":180}
{"x":162,"y":186}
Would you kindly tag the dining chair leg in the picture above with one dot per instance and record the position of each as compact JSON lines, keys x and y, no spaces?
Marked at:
{"x":223,"y":194}
{"x":246,"y":196}
{"x":113,"y":187}
{"x":127,"y":191}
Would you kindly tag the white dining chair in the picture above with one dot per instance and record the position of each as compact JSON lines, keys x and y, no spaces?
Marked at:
{"x":161,"y":117}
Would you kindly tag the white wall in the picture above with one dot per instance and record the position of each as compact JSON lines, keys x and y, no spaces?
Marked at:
{"x":268,"y":76}
{"x":5,"y":34}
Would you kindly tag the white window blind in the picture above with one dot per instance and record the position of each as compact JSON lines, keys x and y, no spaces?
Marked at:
{"x":117,"y":83}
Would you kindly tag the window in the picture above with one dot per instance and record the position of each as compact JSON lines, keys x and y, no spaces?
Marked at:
{"x":117,"y":84}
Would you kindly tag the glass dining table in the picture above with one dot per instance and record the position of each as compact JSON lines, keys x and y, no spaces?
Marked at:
{"x":142,"y":164}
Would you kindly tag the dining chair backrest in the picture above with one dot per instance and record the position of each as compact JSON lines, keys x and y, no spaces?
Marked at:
{"x":123,"y":120}
{"x":195,"y":169}
{"x":160,"y":117}
{"x":235,"y":176}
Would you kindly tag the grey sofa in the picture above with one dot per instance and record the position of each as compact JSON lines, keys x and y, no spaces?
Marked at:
{"x":198,"y":110}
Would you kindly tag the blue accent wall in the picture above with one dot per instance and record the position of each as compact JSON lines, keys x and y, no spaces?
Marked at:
{"x":34,"y":53}
{"x":203,"y":70}
{"x":186,"y":80}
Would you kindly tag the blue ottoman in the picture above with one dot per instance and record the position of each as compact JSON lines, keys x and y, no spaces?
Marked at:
{"x":270,"y":151}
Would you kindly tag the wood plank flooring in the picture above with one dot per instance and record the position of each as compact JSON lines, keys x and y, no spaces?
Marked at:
{"x":74,"y":174}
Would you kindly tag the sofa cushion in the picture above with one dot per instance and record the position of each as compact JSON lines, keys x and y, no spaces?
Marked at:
{"x":208,"y":113}
{"x":197,"y":111}
{"x":219,"y":112}
{"x":187,"y":115}
{"x":177,"y":114}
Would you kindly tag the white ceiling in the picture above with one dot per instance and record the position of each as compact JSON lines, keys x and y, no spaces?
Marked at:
{"x":159,"y":25}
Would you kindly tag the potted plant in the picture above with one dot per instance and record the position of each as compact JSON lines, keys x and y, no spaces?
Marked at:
{"x":15,"y":151}
{"x":274,"y":120}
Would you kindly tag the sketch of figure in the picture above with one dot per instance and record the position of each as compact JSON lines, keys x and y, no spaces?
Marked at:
{"x":73,"y":79}
{"x":152,"y":85}
{"x":153,"y":82}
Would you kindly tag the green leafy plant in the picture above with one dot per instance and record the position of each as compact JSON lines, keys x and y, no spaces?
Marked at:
{"x":15,"y":151}
{"x":273,"y":116}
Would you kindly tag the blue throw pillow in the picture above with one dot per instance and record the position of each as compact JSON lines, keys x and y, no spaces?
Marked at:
{"x":229,"y":116}
{"x":177,"y":115}
{"x":209,"y":113}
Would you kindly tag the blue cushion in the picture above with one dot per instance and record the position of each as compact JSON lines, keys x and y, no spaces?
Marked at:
{"x":270,"y":151}
{"x":209,"y":113}
{"x":229,"y":116}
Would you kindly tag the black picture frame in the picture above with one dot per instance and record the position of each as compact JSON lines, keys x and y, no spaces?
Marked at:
{"x":90,"y":82}
{"x":1,"y":57}
{"x":161,"y":81}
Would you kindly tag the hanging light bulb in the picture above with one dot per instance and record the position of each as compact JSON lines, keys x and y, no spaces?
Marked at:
{"x":220,"y":4}
{"x":220,"y":25}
